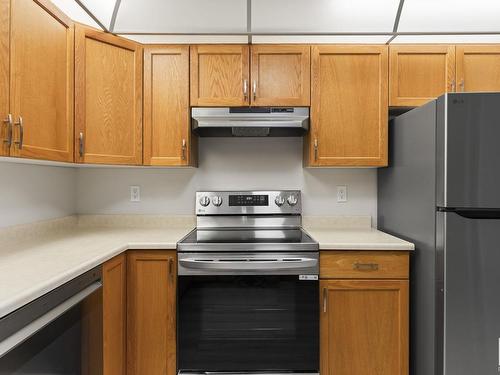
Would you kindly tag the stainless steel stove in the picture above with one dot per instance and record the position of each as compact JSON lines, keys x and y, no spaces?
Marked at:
{"x":248,"y":286}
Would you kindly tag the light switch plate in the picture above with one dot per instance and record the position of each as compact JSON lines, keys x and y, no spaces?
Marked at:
{"x":135,"y":193}
{"x":341,"y":193}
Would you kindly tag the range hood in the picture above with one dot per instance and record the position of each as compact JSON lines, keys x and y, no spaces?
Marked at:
{"x":250,"y":121}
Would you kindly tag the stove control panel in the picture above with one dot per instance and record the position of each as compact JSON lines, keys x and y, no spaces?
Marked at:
{"x":248,"y":202}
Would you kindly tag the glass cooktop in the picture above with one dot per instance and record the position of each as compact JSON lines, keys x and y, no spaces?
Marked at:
{"x":243,"y":239}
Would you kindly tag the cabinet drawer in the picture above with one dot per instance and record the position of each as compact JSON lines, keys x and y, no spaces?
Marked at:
{"x":364,"y":264}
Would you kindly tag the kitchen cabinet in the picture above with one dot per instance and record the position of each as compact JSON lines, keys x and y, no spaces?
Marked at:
{"x":220,"y":75}
{"x":36,"y":80}
{"x":280,"y":75}
{"x":478,"y":68}
{"x":420,"y":73}
{"x":4,"y":76}
{"x":167,"y":121}
{"x":114,"y":301}
{"x":108,"y":98}
{"x":349,"y":106}
{"x":364,"y":320}
{"x":151,"y":320}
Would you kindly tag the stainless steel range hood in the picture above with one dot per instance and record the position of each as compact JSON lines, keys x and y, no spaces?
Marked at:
{"x":250,"y":121}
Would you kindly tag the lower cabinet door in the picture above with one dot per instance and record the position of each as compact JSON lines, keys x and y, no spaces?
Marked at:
{"x":364,"y":327}
{"x":151,"y":319}
{"x":114,"y":310}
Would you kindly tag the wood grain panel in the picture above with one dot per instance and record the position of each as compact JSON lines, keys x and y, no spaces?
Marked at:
{"x":478,"y":68}
{"x":349,"y":106}
{"x":167,"y":125}
{"x":108,"y":98}
{"x":420,"y":73}
{"x":364,"y":327}
{"x":42,"y":79}
{"x":91,"y":337}
{"x":364,"y":264}
{"x":151,"y":317}
{"x":218,"y":73}
{"x":114,"y":333}
{"x":282,"y":75}
{"x":4,"y":73}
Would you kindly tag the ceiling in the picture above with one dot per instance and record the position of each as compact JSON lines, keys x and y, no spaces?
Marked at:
{"x":292,"y":21}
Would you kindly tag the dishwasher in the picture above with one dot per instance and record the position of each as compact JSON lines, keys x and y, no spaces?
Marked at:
{"x":60,"y":333}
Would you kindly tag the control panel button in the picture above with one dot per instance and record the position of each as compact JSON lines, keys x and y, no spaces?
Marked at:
{"x":204,"y":201}
{"x":280,"y":201}
{"x":292,"y":200}
{"x":217,"y":200}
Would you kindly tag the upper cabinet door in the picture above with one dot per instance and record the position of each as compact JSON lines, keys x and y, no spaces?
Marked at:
{"x":281,"y":75}
{"x":420,"y":73}
{"x":4,"y":76}
{"x":166,"y":106}
{"x":220,"y":75}
{"x":478,"y":68}
{"x":108,"y":98}
{"x":349,"y":110}
{"x":41,"y":71}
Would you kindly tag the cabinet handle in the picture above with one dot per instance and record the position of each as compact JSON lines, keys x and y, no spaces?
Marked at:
{"x":80,"y":144}
{"x":365,"y":266}
{"x":183,"y":149}
{"x":21,"y":133}
{"x":453,"y":86}
{"x":245,"y":90}
{"x":171,"y":268}
{"x":254,"y":90}
{"x":325,"y":299}
{"x":8,"y":122}
{"x":316,"y":149}
{"x":462,"y":85}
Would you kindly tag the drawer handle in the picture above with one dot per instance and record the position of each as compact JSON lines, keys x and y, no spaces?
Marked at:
{"x":366,"y":266}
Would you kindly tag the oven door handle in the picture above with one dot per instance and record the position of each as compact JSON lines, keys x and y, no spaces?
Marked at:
{"x":248,"y":264}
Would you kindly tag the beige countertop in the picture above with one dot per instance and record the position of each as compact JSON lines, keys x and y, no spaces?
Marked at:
{"x":37,"y":258}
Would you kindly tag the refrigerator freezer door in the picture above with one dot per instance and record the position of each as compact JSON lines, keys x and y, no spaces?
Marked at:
{"x":471,"y":295}
{"x":471,"y":150}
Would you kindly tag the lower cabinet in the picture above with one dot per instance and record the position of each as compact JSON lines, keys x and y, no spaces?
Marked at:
{"x":151,"y":319}
{"x":114,"y":314}
{"x":364,"y":320}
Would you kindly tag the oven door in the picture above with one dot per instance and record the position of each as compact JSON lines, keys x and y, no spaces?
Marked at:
{"x":248,"y":313}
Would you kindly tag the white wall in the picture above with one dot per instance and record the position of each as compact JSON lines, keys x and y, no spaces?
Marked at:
{"x":227,"y":164}
{"x":34,"y":192}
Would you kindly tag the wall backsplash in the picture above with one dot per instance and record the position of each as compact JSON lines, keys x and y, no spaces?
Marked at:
{"x":227,"y":164}
{"x":31,"y":193}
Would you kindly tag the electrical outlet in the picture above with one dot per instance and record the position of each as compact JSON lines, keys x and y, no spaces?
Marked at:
{"x":341,"y":193}
{"x":135,"y":193}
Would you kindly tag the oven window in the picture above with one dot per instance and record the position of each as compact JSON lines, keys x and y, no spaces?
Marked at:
{"x":248,"y":323}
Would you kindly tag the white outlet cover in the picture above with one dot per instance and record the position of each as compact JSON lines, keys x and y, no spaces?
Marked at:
{"x":135,"y":193}
{"x":341,"y":193}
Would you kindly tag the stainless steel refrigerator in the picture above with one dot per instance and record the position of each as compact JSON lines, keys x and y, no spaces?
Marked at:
{"x":442,"y":192}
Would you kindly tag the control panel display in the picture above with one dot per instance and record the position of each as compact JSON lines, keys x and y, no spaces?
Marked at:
{"x":248,"y":200}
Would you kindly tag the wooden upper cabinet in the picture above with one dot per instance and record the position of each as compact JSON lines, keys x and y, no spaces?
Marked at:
{"x":167,"y":126}
{"x":41,"y":80}
{"x":108,"y":98}
{"x":478,"y":68}
{"x":152,"y":279}
{"x":420,"y":73}
{"x":220,"y":75}
{"x":364,"y":327}
{"x":281,"y":75}
{"x":349,"y":110}
{"x":114,"y":302}
{"x":4,"y":76}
